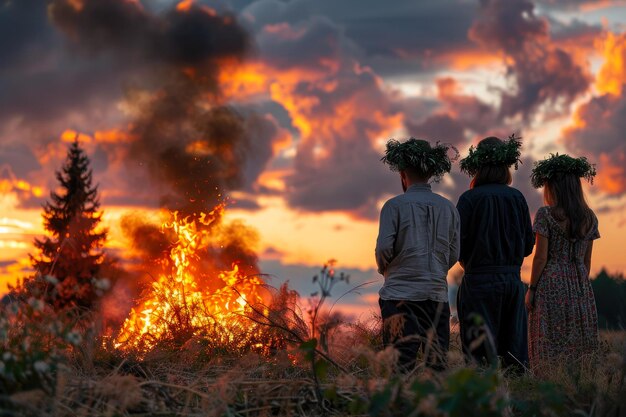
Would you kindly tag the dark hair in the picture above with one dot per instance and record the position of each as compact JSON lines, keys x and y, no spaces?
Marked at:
{"x":564,"y":193}
{"x":491,"y":174}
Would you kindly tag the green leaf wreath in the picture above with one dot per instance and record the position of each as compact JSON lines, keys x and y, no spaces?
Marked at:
{"x":415,"y":153}
{"x":508,"y":153}
{"x":544,"y":170}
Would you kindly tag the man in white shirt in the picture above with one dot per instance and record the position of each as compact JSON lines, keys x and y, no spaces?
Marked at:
{"x":418,"y":242}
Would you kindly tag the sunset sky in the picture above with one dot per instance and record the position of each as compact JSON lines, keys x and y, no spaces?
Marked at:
{"x":316,"y":88}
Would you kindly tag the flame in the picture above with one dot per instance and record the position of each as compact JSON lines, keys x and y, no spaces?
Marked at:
{"x":179,"y":303}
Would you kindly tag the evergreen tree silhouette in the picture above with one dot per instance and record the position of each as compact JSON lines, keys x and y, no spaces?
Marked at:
{"x":71,"y":255}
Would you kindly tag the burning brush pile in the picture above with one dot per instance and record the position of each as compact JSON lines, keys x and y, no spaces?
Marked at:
{"x":191,"y":299}
{"x":189,"y":143}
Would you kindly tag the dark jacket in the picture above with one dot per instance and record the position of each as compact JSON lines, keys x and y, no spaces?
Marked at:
{"x":496,"y":231}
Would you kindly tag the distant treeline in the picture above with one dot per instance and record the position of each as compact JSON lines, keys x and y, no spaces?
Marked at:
{"x":610,"y":292}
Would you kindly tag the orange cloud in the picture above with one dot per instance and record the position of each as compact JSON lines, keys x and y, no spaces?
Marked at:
{"x":10,"y":183}
{"x":112,"y":136}
{"x":611,"y":178}
{"x":597,"y":125}
{"x":599,"y":5}
{"x":469,"y":59}
{"x":612,"y":75}
{"x":69,"y":136}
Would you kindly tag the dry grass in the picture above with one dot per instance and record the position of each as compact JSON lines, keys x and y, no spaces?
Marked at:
{"x":181,"y":384}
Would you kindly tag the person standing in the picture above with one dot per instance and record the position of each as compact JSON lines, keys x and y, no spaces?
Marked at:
{"x":496,"y":236}
{"x":563,"y":321}
{"x":418,"y":242}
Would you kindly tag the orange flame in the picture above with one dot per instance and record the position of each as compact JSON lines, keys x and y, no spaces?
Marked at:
{"x":179,"y":304}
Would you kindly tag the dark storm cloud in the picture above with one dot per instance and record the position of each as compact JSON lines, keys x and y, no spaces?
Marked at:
{"x":575,"y":30}
{"x":316,"y":38}
{"x":419,"y":28}
{"x":352,"y":180}
{"x":19,"y":158}
{"x":25,"y":35}
{"x":39,"y":83}
{"x":439,"y":127}
{"x":193,"y":37}
{"x":541,"y":73}
{"x":395,"y":39}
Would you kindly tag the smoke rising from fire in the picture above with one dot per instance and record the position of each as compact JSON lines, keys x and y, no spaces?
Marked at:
{"x":193,"y":146}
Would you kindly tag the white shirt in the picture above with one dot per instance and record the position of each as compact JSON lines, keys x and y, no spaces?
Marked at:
{"x":418,"y":242}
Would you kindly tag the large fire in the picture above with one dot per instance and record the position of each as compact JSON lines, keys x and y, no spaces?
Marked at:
{"x":178,"y":306}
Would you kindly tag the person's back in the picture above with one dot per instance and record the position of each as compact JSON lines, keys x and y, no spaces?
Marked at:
{"x":417,"y":244}
{"x":560,"y":291}
{"x":496,"y":235}
{"x":419,"y":237}
{"x":495,"y":228}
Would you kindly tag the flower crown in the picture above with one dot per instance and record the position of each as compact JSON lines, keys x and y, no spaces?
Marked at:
{"x":507,"y":153}
{"x":544,"y":170}
{"x":420,"y":154}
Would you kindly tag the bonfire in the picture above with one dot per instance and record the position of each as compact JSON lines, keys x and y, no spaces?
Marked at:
{"x":179,"y":306}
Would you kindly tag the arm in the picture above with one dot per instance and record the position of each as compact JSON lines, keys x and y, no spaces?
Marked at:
{"x":539,"y":263}
{"x":387,"y":231}
{"x":454,"y":239}
{"x":464,"y":209}
{"x":529,"y":236}
{"x":587,"y":259}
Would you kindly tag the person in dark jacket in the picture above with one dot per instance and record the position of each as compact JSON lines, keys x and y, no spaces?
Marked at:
{"x":496,"y":236}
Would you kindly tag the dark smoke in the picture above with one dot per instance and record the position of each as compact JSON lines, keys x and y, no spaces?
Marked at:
{"x":194,"y":38}
{"x":194,"y":147}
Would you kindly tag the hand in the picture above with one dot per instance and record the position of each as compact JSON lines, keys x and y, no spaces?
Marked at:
{"x":530,"y":299}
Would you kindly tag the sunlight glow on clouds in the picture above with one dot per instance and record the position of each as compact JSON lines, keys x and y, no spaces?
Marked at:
{"x":313,"y":89}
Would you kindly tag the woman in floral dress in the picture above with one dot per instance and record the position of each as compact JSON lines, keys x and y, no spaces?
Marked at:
{"x":562,"y":312}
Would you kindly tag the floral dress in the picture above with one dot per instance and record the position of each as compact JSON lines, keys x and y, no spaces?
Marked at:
{"x":564,"y":320}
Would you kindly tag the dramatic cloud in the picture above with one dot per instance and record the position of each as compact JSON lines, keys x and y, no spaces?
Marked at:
{"x":439,"y":127}
{"x":422,"y":32}
{"x":338,"y":108}
{"x":600,"y":123}
{"x":459,"y":117}
{"x":541,"y":73}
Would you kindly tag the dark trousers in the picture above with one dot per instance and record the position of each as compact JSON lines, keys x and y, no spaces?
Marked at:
{"x":411,"y":326}
{"x":492,"y":318}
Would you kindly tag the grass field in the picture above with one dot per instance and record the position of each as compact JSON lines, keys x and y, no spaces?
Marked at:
{"x":49,"y":369}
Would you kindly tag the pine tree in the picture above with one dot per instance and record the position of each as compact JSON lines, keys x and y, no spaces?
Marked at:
{"x":70,"y":257}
